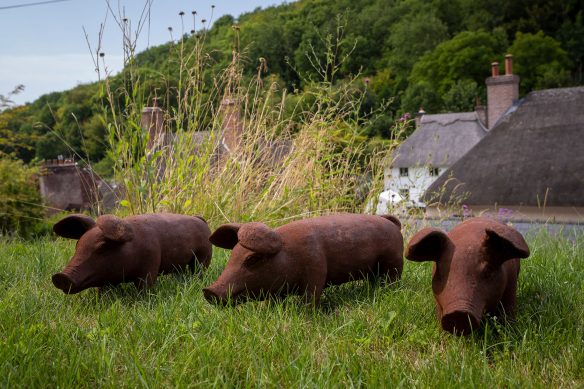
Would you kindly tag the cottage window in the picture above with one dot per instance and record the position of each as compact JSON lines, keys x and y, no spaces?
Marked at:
{"x":404,"y":193}
{"x":434,"y":171}
{"x":403,"y":171}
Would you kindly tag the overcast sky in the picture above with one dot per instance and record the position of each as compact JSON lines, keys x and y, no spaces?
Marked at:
{"x":44,"y":47}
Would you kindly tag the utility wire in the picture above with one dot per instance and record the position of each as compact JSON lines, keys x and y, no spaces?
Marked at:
{"x":31,"y":4}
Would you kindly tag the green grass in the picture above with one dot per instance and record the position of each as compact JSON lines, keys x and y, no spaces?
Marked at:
{"x":362,"y":335}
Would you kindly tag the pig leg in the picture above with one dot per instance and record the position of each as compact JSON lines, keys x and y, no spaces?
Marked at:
{"x":148,"y":278}
{"x":315,"y":279}
{"x":312,"y":295}
{"x":313,"y":290}
{"x":508,"y":301}
{"x":101,"y":290}
{"x":146,"y":281}
{"x":200,"y":261}
{"x":439,"y":312}
{"x":390,"y":268}
{"x":506,"y":307}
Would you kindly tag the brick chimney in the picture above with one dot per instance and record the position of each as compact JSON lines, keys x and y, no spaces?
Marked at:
{"x":232,"y":127}
{"x":502,"y":91}
{"x":153,"y":122}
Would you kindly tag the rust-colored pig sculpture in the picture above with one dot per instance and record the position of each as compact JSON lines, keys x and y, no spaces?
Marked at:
{"x":475,"y":271}
{"x":304,"y":256}
{"x":135,"y":249}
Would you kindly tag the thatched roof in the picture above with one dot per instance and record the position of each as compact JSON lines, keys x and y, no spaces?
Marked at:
{"x":534,"y":154}
{"x":440,"y":140}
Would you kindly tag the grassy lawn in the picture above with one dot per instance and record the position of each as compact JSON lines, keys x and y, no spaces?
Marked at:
{"x":362,"y":335}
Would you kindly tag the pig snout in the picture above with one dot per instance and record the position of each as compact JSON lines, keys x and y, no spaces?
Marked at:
{"x":461,"y":319}
{"x":65,"y":283}
{"x":219,"y":295}
{"x":213,"y":297}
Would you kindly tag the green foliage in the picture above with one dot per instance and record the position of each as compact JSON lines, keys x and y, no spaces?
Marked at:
{"x":19,"y":144}
{"x":540,"y":61}
{"x":483,"y":15}
{"x":462,"y":96}
{"x":364,"y":334}
{"x":421,"y":95}
{"x":429,"y":52}
{"x":413,"y":36}
{"x":20,"y":203}
{"x":571,"y":36}
{"x":65,"y":123}
{"x":455,"y":64}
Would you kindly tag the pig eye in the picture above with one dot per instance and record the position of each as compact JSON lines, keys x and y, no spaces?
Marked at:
{"x":100,"y":246}
{"x":253,"y":259}
{"x":488,"y":269}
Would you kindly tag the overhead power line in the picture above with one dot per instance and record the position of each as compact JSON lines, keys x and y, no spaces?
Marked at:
{"x":32,"y":4}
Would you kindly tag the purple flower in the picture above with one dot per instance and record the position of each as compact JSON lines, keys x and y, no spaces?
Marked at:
{"x":466,"y":212}
{"x":504,"y":213}
{"x":404,"y":117}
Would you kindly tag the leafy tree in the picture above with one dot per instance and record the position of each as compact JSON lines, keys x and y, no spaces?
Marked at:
{"x":540,"y":61}
{"x":421,"y":94}
{"x":263,"y":40}
{"x":50,"y":146}
{"x":415,"y":53}
{"x":383,"y":84}
{"x":411,"y":37}
{"x":451,"y":14}
{"x":462,"y":96}
{"x":367,"y":30}
{"x":483,"y":15}
{"x":571,"y":36}
{"x":94,"y":142}
{"x":531,"y":16}
{"x":455,"y":63}
{"x":15,"y":140}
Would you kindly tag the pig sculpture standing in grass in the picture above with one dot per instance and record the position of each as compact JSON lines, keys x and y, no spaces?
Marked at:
{"x":136,"y":249}
{"x":304,"y":256}
{"x":476,"y":266}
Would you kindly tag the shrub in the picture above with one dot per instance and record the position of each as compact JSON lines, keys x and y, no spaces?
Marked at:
{"x":20,"y":202}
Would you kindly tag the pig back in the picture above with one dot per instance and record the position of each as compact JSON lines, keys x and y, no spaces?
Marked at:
{"x":175,"y":237}
{"x":347,"y":246}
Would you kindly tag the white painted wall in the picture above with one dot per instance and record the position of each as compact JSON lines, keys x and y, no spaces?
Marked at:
{"x":417,"y":181}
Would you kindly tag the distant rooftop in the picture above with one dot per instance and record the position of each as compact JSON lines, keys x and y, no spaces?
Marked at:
{"x":440,"y":140}
{"x":534,"y":155}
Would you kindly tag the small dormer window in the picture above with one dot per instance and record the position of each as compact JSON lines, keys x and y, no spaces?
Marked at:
{"x":434,"y":171}
{"x":404,"y":172}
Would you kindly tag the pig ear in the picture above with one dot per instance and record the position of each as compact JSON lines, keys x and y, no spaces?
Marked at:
{"x":260,"y":238}
{"x":73,"y":226}
{"x":225,"y":236}
{"x":115,"y":229}
{"x":506,"y":243}
{"x":427,"y":245}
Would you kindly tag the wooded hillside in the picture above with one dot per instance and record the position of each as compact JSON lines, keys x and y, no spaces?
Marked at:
{"x":406,"y":53}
